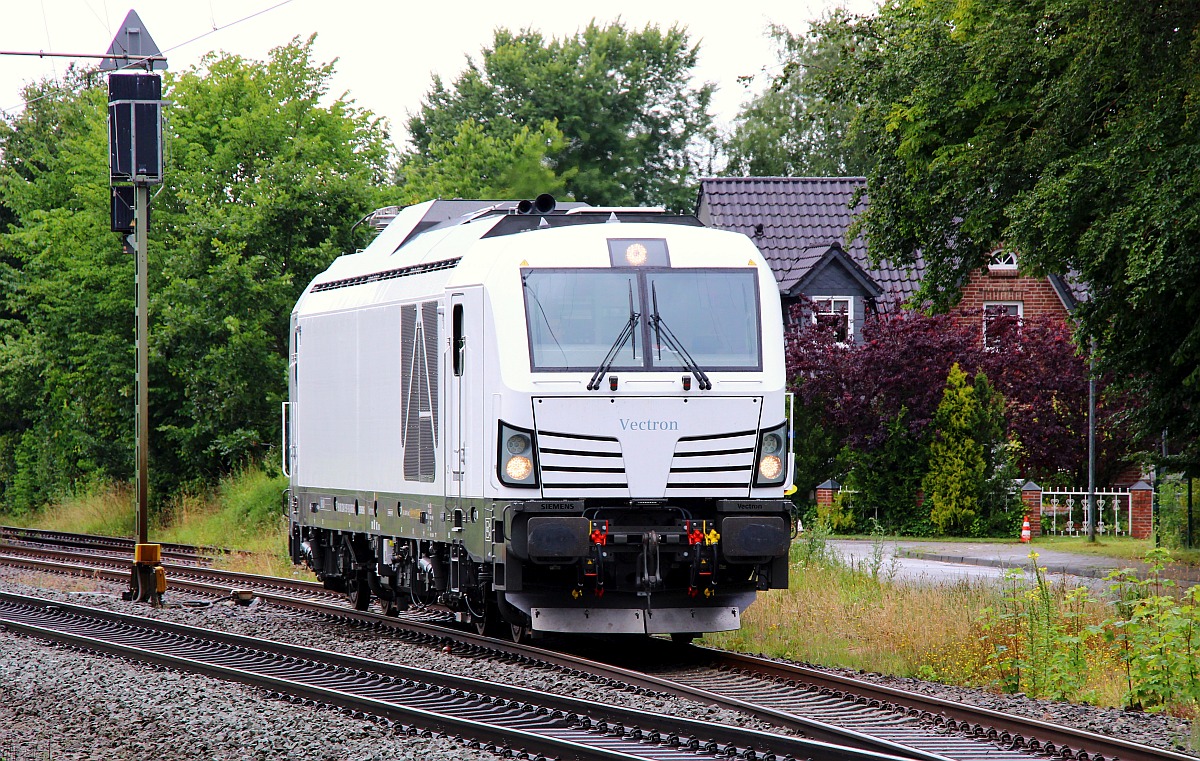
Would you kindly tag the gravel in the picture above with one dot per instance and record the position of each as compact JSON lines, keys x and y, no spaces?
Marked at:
{"x":66,"y":705}
{"x":1152,"y":729}
{"x":60,"y":704}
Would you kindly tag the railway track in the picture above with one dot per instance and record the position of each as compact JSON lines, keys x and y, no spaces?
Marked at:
{"x":31,"y":537}
{"x":823,"y":706}
{"x":498,"y":718}
{"x":904,"y":717}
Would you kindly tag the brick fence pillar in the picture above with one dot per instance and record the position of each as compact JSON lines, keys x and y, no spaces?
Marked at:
{"x":1141,"y":509}
{"x":1031,"y":498}
{"x":825,"y":495}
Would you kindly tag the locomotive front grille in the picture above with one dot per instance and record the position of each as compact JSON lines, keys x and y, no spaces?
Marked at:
{"x":719,"y":465}
{"x":580,"y":465}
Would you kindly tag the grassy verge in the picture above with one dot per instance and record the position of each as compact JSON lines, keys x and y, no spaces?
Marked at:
{"x":1138,"y":646}
{"x":242,"y":513}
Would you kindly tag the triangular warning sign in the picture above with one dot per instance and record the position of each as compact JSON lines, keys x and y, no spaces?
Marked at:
{"x":132,"y":40}
{"x":751,"y":263}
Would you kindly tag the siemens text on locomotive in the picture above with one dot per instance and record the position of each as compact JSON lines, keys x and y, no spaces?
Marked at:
{"x":544,"y":418}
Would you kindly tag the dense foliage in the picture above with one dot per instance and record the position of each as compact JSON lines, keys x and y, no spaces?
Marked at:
{"x":66,"y":358}
{"x":472,"y":163}
{"x":876,"y":405}
{"x":1065,"y":129}
{"x":265,"y":175}
{"x":633,"y":127}
{"x":791,"y":129}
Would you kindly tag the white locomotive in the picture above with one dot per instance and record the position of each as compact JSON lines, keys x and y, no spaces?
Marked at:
{"x":563,"y":419}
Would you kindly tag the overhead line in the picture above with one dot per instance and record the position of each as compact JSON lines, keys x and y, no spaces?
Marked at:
{"x":215,"y":29}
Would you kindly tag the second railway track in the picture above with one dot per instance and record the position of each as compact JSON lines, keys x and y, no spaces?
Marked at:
{"x":496,"y":717}
{"x":823,"y":706}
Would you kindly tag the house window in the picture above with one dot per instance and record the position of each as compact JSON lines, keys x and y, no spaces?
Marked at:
{"x":1000,"y":319}
{"x":1002,"y":261}
{"x":837,"y":314}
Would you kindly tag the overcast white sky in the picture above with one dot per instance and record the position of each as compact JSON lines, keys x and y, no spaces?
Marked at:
{"x":387,"y":51}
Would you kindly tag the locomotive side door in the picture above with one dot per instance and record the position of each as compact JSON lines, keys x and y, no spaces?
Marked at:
{"x":465,"y":367}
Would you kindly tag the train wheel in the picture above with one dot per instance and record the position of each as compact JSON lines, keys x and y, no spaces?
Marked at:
{"x":358,"y":592}
{"x":518,"y":633}
{"x":492,"y":624}
{"x":683,"y":638}
{"x":391,"y":607}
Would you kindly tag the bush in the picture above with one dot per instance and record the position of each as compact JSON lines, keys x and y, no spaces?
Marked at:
{"x":956,"y":474}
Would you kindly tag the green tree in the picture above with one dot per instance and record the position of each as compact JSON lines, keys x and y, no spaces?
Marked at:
{"x":791,"y":129}
{"x":633,"y":125}
{"x":474,"y":164}
{"x":956,"y":465}
{"x":66,"y":305}
{"x":266,"y":175}
{"x":1066,"y":129}
{"x":887,"y":476}
{"x":997,"y":516}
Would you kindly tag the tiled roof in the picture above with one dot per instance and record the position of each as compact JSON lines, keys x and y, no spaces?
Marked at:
{"x":800,"y":218}
{"x":791,"y":268}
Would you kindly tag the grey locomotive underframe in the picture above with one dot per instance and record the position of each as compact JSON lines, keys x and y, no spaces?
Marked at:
{"x":521,"y":558}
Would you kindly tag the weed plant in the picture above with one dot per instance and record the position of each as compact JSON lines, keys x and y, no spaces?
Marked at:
{"x":836,"y":613}
{"x":1041,"y":638}
{"x":1140,"y":649}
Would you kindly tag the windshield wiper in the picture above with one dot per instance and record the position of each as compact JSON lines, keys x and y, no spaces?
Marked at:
{"x":627,"y":333}
{"x":663,"y":333}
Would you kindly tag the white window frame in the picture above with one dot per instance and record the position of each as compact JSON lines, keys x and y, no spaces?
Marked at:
{"x":1001,"y":260}
{"x":1020,"y":315}
{"x":829,"y":309}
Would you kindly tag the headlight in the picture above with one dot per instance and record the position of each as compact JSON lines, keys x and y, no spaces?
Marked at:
{"x":770,"y":467}
{"x":772,"y":449}
{"x":516,"y":457}
{"x":518,"y":468}
{"x":518,"y":443}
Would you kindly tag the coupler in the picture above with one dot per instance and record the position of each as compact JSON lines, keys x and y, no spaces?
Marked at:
{"x":147,"y":579}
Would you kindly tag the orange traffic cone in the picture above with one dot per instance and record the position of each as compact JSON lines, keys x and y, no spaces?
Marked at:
{"x":1026,"y":532}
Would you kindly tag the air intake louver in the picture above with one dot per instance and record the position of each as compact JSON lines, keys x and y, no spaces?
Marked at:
{"x":581,"y":466}
{"x":418,"y":384}
{"x":719,"y":465}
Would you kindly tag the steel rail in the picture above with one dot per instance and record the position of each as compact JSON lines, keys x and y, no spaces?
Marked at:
{"x":234,"y":579}
{"x":438,"y":635}
{"x":952,"y":717}
{"x":600,"y":728}
{"x":119,"y":543}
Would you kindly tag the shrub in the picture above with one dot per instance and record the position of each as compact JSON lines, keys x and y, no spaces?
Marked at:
{"x":956,"y":465}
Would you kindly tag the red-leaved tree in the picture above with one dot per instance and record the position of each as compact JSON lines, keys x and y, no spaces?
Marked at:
{"x":899,"y":370}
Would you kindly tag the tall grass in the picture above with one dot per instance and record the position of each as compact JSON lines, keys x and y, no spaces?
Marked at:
{"x":105,"y":509}
{"x":1138,"y":647}
{"x":835,"y":615}
{"x":243,"y":514}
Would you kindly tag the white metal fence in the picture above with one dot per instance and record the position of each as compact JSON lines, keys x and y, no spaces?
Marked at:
{"x":1064,"y":511}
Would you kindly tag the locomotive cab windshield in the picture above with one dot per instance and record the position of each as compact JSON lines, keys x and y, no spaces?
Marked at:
{"x":574,"y":315}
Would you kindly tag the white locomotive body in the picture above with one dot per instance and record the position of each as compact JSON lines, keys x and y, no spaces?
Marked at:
{"x":553,"y":419}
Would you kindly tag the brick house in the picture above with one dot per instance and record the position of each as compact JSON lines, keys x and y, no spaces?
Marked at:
{"x":800,"y":224}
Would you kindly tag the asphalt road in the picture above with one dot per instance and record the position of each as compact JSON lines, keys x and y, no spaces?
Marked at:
{"x":948,"y":562}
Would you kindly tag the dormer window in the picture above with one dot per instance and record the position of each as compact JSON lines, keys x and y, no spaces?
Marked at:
{"x":1002,"y":261}
{"x":835,"y":313}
